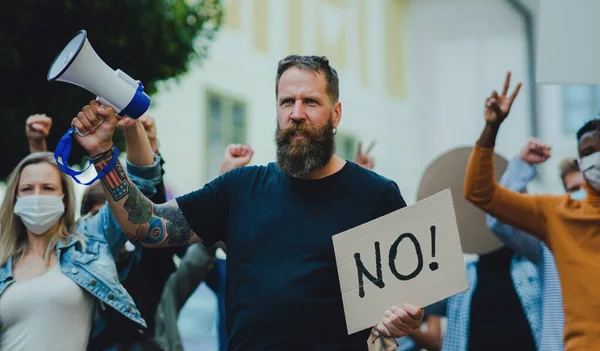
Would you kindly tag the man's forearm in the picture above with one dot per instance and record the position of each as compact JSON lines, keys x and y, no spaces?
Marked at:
{"x":153,"y":225}
{"x":488,"y":136}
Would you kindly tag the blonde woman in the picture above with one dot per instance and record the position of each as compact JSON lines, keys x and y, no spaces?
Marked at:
{"x":57,"y":285}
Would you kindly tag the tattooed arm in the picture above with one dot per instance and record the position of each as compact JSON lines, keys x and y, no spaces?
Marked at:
{"x":153,"y":225}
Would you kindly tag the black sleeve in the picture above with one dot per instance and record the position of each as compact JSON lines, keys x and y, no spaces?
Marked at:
{"x":205,"y":210}
{"x":390,"y":200}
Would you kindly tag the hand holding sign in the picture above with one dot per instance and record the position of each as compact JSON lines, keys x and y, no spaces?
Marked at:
{"x":382,"y":263}
{"x":400,"y":322}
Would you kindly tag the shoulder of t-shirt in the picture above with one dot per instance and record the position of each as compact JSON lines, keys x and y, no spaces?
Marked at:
{"x":249,"y":172}
{"x":369,"y":177}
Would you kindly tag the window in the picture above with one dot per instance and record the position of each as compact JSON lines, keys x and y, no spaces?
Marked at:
{"x":580,"y":104}
{"x":345,"y":146}
{"x":226,"y":124}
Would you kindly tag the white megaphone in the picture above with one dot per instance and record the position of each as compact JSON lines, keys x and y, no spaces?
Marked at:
{"x":79,"y":64}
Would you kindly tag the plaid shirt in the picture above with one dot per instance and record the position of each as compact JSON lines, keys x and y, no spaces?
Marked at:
{"x":457,"y":308}
{"x":517,"y":176}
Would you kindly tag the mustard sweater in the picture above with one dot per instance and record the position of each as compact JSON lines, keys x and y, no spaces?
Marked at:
{"x":570,"y":228}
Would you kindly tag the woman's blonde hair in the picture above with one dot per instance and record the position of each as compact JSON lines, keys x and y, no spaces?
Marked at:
{"x":13,"y":235}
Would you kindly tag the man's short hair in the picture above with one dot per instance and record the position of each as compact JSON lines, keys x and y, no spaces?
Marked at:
{"x":93,"y":195}
{"x":567,"y":165}
{"x":590,"y":126}
{"x":319,"y":64}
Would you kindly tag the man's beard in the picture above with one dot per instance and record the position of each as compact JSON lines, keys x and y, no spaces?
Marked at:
{"x":301,"y":157}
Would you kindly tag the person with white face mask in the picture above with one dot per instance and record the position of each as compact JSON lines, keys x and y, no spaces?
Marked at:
{"x":39,"y":212}
{"x":589,"y":164}
{"x":58,"y":284}
{"x":570,"y":228}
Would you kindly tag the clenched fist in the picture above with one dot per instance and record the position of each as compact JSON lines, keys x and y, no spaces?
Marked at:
{"x":37,"y":129}
{"x":535,"y":152}
{"x":236,"y":155}
{"x":150,"y":128}
{"x":100,"y":134}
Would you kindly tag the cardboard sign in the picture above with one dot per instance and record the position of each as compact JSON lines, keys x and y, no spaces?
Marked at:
{"x":412,"y":255}
{"x":448,"y":171}
{"x":567,"y":52}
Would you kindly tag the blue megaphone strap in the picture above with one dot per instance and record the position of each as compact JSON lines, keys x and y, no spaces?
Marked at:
{"x":63,"y":151}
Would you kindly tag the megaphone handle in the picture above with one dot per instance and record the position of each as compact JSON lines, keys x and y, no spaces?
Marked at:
{"x":82,"y":134}
{"x":105,"y":102}
{"x":102,"y":101}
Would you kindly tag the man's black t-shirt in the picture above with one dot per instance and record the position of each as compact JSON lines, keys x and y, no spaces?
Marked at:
{"x":283,"y":291}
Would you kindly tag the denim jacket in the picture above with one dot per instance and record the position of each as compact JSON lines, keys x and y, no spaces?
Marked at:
{"x":94,"y":268}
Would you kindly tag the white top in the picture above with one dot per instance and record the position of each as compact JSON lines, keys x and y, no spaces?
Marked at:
{"x":49,"y":312}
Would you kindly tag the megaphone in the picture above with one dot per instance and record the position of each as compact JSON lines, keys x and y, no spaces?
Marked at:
{"x":79,"y":64}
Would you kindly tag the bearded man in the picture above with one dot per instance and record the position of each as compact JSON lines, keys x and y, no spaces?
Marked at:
{"x":282,"y":288}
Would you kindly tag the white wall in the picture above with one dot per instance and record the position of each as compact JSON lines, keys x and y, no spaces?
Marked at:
{"x":460,"y":51}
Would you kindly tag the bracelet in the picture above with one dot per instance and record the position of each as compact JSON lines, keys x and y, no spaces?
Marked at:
{"x":106,"y":165}
{"x":106,"y":155}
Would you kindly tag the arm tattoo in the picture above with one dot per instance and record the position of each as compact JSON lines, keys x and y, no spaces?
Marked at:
{"x":156,"y":232}
{"x":178,"y":229}
{"x":115,"y":181}
{"x":156,"y":224}
{"x":138,"y":207}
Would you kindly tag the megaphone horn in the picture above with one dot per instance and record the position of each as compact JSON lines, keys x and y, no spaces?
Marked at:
{"x":79,"y":64}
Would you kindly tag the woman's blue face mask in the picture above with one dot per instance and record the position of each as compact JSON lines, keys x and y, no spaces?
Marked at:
{"x":579,"y":194}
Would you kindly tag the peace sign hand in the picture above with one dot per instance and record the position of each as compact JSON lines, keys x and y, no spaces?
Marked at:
{"x":363,"y":158}
{"x":497,"y":106}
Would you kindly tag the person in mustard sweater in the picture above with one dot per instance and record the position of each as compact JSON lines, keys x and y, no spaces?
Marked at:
{"x":569,"y":227}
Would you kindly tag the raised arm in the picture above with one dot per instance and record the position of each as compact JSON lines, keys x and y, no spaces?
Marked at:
{"x":236,"y":156}
{"x":153,"y":225}
{"x":522,"y":211}
{"x":37,"y":128}
{"x":520,"y":171}
{"x":144,"y":171}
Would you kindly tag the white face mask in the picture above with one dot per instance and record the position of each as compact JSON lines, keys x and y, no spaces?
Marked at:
{"x":590,"y":167}
{"x":39,"y":212}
